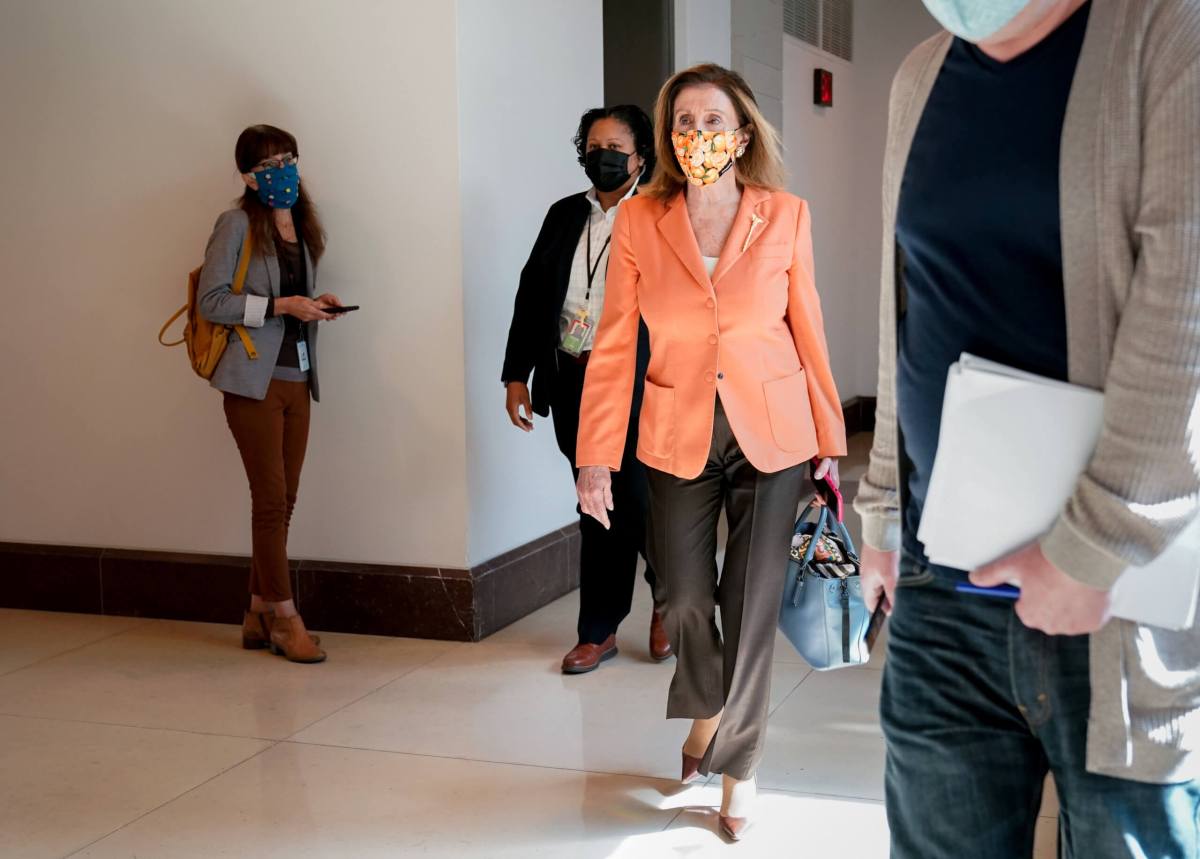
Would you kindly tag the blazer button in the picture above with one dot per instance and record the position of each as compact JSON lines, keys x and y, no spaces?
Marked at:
{"x":708,"y":377}
{"x":720,"y":375}
{"x":712,"y":338}
{"x":710,"y":303}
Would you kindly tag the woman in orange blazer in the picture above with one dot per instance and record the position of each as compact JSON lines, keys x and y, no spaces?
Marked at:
{"x":739,"y":396}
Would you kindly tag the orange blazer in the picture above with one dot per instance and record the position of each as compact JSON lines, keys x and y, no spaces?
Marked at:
{"x":752,"y":333}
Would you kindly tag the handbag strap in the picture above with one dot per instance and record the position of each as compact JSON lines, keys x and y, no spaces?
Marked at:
{"x":844,"y":533}
{"x":800,"y":523}
{"x":823,"y":521}
{"x":845,"y":596}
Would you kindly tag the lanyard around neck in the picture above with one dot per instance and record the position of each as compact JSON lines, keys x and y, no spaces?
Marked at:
{"x":592,"y":269}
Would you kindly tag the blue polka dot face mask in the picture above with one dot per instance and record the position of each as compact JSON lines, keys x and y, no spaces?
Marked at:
{"x":278,"y":187}
{"x":975,"y":20}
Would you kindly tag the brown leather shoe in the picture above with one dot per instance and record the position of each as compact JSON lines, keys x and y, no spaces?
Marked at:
{"x":256,"y":630}
{"x":587,"y":657}
{"x":660,"y":645}
{"x":291,"y":640}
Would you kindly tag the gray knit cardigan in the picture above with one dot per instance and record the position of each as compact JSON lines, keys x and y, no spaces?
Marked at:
{"x":1130,"y":199}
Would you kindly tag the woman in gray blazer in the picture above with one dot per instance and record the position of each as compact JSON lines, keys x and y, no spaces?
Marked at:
{"x":267,"y":395}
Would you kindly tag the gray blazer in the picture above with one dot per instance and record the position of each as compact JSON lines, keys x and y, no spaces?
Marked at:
{"x":236,"y":373}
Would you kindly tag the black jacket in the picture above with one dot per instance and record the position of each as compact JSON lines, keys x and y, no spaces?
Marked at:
{"x":533,"y":334}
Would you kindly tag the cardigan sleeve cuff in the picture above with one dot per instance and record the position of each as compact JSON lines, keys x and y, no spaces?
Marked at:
{"x":1080,"y":559}
{"x":255,"y":315}
{"x":881,"y":533}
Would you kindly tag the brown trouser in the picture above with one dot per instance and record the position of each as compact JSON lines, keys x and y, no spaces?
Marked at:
{"x":731,"y":671}
{"x":271,"y":435}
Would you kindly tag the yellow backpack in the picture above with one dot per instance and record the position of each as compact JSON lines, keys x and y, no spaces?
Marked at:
{"x":206,"y":341}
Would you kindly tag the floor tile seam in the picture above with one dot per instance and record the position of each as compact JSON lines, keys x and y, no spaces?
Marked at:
{"x":173,"y":799}
{"x":107,"y":724}
{"x":775,"y":660}
{"x":817,"y":794}
{"x":788,"y":696}
{"x":138,"y":622}
{"x":367,"y":694}
{"x":465,"y":759}
{"x":671,"y":822}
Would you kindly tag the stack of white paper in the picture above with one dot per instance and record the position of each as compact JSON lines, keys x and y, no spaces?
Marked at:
{"x":1011,"y":450}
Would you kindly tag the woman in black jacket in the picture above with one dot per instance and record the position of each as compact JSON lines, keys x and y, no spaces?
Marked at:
{"x":558,"y":306}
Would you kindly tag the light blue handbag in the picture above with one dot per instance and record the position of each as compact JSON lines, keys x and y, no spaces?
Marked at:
{"x":823,"y":614}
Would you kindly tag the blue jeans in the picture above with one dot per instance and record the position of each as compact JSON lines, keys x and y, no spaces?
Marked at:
{"x":976,"y":709}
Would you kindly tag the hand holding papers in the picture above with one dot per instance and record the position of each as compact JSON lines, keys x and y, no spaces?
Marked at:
{"x":1011,"y":449}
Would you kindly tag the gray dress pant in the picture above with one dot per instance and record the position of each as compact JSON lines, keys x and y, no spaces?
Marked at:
{"x":730,"y":671}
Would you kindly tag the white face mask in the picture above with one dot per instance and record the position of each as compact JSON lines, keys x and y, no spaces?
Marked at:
{"x":975,"y":20}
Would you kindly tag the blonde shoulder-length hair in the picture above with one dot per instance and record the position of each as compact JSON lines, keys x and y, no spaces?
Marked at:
{"x":762,"y":164}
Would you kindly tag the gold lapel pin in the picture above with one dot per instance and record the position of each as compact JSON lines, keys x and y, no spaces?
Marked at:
{"x":755,"y":220}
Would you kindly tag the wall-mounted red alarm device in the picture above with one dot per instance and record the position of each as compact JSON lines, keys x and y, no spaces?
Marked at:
{"x":823,"y":87}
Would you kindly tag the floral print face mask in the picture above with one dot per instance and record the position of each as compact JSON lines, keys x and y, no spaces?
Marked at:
{"x":706,"y":156}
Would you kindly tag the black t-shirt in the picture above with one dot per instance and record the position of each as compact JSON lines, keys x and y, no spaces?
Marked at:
{"x":293,"y":280}
{"x":978,"y":230}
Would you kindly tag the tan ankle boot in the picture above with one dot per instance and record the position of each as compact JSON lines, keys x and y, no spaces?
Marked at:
{"x":291,"y":640}
{"x":256,"y":630}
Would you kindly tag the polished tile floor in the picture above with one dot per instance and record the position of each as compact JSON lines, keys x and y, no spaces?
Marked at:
{"x":124,"y":738}
{"x":145,"y":738}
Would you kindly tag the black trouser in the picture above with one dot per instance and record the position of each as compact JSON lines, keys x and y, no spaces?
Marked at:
{"x":607,"y":558}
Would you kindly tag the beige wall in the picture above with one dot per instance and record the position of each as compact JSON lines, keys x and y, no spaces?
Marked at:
{"x":520,"y":485}
{"x":835,"y":161}
{"x":703,"y":32}
{"x":119,"y":121}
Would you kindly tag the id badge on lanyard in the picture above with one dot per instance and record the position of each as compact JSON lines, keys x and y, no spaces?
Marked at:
{"x":302,"y":351}
{"x":577,"y":332}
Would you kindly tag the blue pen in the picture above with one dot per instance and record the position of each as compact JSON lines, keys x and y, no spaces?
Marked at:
{"x":1007,"y":592}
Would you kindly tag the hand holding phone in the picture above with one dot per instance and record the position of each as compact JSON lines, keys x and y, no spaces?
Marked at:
{"x":875,"y":625}
{"x":340,"y":309}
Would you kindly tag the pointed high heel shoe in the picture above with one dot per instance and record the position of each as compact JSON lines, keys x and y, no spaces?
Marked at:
{"x":691,"y":769}
{"x":742,"y":801}
{"x":734,"y":827}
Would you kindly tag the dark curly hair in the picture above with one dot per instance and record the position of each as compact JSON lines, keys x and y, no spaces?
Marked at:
{"x":634,"y":118}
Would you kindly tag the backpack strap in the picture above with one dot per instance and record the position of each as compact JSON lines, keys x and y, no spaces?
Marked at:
{"x":163,"y":330}
{"x":239,"y":282}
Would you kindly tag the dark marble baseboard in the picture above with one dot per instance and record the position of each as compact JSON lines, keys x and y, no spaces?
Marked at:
{"x":374,"y":599}
{"x":860,"y":415}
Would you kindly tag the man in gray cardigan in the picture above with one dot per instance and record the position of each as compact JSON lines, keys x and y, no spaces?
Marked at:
{"x":1042,"y":208}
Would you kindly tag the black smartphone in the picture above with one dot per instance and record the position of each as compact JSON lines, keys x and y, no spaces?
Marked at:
{"x":875,"y":625}
{"x":339,"y":310}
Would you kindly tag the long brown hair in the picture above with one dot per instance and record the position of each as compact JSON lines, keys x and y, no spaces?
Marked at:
{"x":259,"y":142}
{"x":762,"y":164}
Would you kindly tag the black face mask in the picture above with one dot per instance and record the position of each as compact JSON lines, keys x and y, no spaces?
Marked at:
{"x":607,"y":169}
